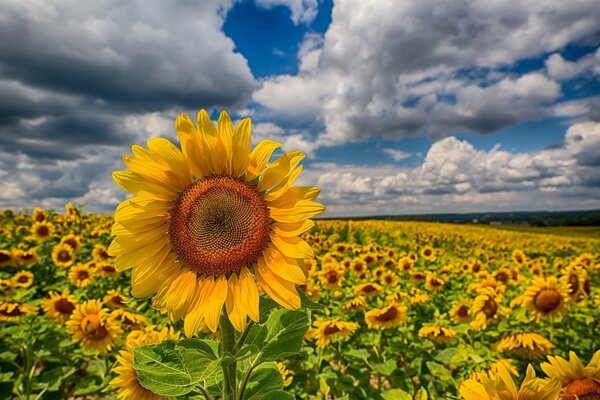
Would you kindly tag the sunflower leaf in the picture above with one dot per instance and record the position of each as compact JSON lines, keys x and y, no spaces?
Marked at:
{"x":264,"y":379}
{"x":285,"y":330}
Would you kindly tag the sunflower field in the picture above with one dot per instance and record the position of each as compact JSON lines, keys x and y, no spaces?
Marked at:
{"x":397,"y":310}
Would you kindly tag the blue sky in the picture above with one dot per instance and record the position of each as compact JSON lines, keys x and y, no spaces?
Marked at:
{"x":412,"y":107}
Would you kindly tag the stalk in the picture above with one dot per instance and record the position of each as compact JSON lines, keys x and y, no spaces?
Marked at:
{"x":229,"y":371}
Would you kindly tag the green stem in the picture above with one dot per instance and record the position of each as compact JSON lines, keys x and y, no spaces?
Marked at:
{"x":246,"y":379}
{"x":229,"y":371}
{"x":242,"y":338}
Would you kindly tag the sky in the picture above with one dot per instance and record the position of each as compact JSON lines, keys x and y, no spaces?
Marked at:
{"x":411,"y":107}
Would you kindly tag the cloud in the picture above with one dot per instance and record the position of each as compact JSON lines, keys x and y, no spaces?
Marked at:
{"x":397,"y":155}
{"x":455,"y":176}
{"x":559,"y":68}
{"x":391,"y":70}
{"x":302,"y":11}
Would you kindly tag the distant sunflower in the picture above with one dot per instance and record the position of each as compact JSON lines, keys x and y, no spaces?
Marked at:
{"x":106,"y":269}
{"x":460,"y":312}
{"x":22,"y":279}
{"x":355,"y":304}
{"x":81,"y":275}
{"x":546,"y":298}
{"x":331,"y":277}
{"x":434,"y":284}
{"x":438,"y":334}
{"x":418,"y":276}
{"x":492,"y":369}
{"x":63,"y":255}
{"x":206,"y":218}
{"x":428,"y":253}
{"x":128,"y":320}
{"x":286,"y":375}
{"x":39,"y":215}
{"x":26,"y":257}
{"x":405,"y":264}
{"x":524,"y":344}
{"x":59,"y":307}
{"x":388,"y":278}
{"x":126,"y":382}
{"x":42,"y":231}
{"x":368,"y":289}
{"x":387,"y":317}
{"x":6,"y":258}
{"x":331,"y":330}
{"x":578,"y":381}
{"x":72,"y":240}
{"x":14,"y":311}
{"x":114,"y":299}
{"x":485,"y":307}
{"x":99,"y":253}
{"x":519,"y":257}
{"x":90,"y":325}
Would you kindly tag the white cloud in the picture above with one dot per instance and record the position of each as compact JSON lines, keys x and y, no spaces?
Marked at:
{"x":389,"y":68}
{"x":559,"y":68}
{"x":397,"y":155}
{"x":302,"y":11}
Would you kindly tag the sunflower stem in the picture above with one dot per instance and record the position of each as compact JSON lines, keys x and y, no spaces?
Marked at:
{"x":229,"y":371}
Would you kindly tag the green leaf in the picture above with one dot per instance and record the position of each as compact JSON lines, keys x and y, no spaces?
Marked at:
{"x":276,"y":395}
{"x":439,"y":371}
{"x":171,"y":370}
{"x":421,"y":394}
{"x":208,"y":347}
{"x":396,"y":394}
{"x":361,"y":354}
{"x":386,"y":368}
{"x":285,"y":330}
{"x":308,"y":303}
{"x":264,"y":379}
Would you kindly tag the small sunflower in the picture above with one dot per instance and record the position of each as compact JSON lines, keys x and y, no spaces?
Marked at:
{"x":577,"y":381}
{"x":438,"y":334}
{"x":388,"y":278}
{"x":126,"y":382}
{"x":114,"y":299}
{"x":128,"y":320}
{"x":492,"y":369}
{"x":63,"y":255}
{"x":519,"y":257}
{"x":14,"y":311}
{"x":524,"y":344}
{"x":485,"y":308}
{"x":59,"y":307}
{"x":546,"y":298}
{"x":39,"y":215}
{"x":42,"y":231}
{"x":434,"y":284}
{"x":355,"y":304}
{"x":206,"y":219}
{"x":428,"y":253}
{"x":331,"y":330}
{"x":405,"y":264}
{"x":502,"y":387}
{"x":106,"y":269}
{"x":72,"y":240}
{"x":368,"y":289}
{"x":387,"y":317}
{"x":331,"y":277}
{"x":460,"y":312}
{"x":99,"y":253}
{"x":22,"y":279}
{"x":90,"y":325}
{"x":81,"y":275}
{"x":26,"y":257}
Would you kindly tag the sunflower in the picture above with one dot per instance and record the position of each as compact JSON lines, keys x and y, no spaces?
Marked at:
{"x":114,"y":299}
{"x":485,"y":307}
{"x":39,"y":215}
{"x":90,"y":325}
{"x":428,"y":253}
{"x":546,"y":298}
{"x":26,"y":257}
{"x":59,"y":307}
{"x":331,"y":277}
{"x":106,"y":269}
{"x":6,"y":258}
{"x":81,"y":275}
{"x":14,"y":311}
{"x":331,"y":330}
{"x":492,"y":369}
{"x":434,"y":284}
{"x":418,"y":276}
{"x":368,"y":289}
{"x":128,"y":319}
{"x":204,"y":218}
{"x":355,"y":304}
{"x":438,"y":334}
{"x":388,"y":278}
{"x":99,"y":253}
{"x":22,"y":279}
{"x":72,"y":240}
{"x":405,"y":264}
{"x":460,"y":312}
{"x":42,"y":231}
{"x":63,"y":255}
{"x":502,"y":387}
{"x":525,"y":344}
{"x":126,"y":382}
{"x":519,"y":257}
{"x":387,"y":317}
{"x":577,"y":381}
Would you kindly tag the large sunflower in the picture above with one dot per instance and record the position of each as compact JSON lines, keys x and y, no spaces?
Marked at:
{"x":577,"y":381}
{"x":206,"y":219}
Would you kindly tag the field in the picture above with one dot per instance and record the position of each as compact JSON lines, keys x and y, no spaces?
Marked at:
{"x":398,"y":309}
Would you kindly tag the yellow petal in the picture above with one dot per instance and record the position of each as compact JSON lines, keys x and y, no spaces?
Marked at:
{"x":234,"y":304}
{"x":224,"y":145}
{"x":280,"y":290}
{"x":279,"y":170}
{"x":260,"y":157}
{"x":284,"y":185}
{"x":292,"y":247}
{"x":241,"y":146}
{"x":181,"y":295}
{"x":302,"y":210}
{"x":211,"y":301}
{"x":285,"y":268}
{"x":136,"y":185}
{"x":249,"y":292}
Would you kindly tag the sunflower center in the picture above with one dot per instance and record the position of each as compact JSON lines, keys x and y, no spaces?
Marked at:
{"x":463,"y":311}
{"x":582,"y":389}
{"x":64,"y":256}
{"x":81,"y":275}
{"x":64,"y":306}
{"x":4,"y":257}
{"x":93,"y":328}
{"x":490,"y":308}
{"x":43,"y":231}
{"x":331,"y":330}
{"x":389,"y":315}
{"x":547,"y":300}
{"x":219,"y":224}
{"x":23,"y":279}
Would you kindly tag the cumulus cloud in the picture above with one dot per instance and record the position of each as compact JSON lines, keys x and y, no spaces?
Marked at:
{"x":559,"y":68}
{"x":393,"y":69}
{"x":455,"y":176}
{"x":397,"y":155}
{"x":302,"y":11}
